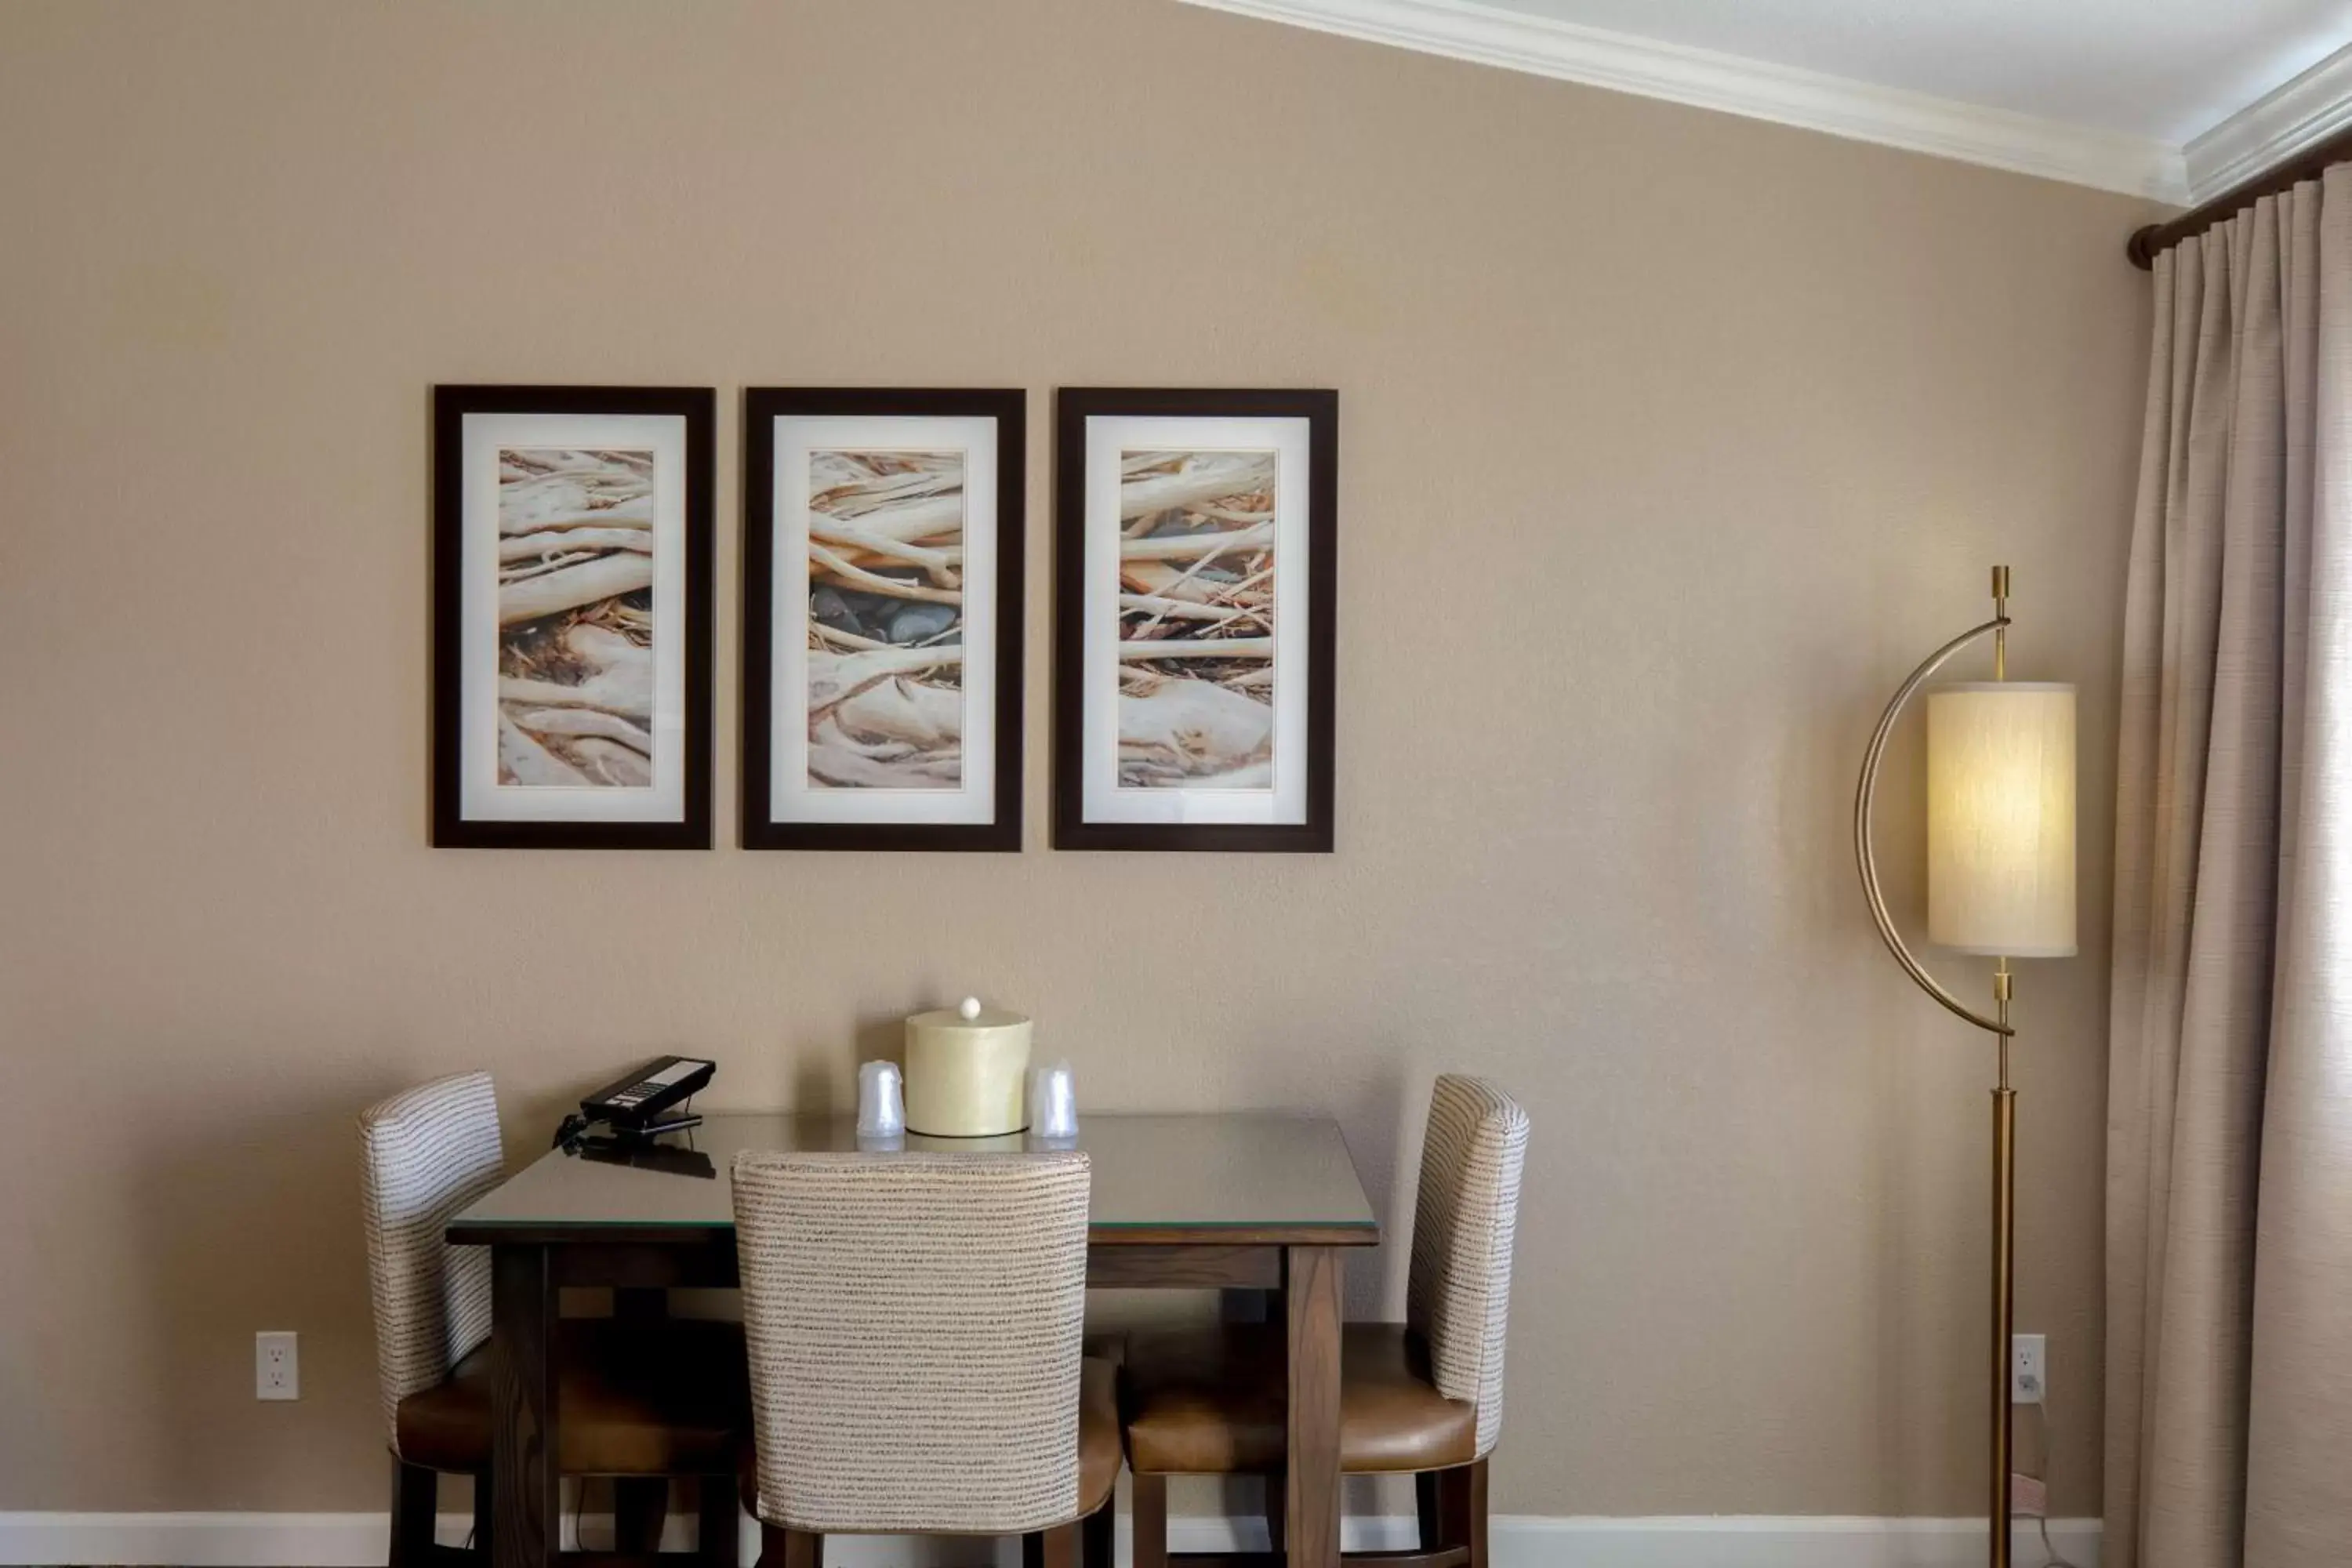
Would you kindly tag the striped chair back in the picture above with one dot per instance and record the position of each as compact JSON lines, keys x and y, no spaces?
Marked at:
{"x":913,"y":1324}
{"x":426,"y":1154}
{"x":1458,"y":1292}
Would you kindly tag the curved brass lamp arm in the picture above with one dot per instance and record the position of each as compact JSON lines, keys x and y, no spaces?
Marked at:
{"x":1866,"y":798}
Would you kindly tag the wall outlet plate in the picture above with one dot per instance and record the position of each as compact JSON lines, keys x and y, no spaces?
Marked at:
{"x":2029,"y":1369}
{"x":276,"y":1365}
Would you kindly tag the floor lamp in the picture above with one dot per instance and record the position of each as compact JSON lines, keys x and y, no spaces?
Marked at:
{"x":2000,"y":883}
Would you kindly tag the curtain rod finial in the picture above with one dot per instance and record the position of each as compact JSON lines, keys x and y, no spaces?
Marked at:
{"x":2141,"y":247}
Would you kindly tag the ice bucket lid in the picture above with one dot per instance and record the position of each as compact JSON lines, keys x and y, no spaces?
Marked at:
{"x":970,"y":1015}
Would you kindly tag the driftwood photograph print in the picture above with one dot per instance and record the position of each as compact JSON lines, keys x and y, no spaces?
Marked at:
{"x":1196,"y":619}
{"x":885,"y":690}
{"x":882,"y":619}
{"x":572,"y":617}
{"x":576,"y":616}
{"x":1195,"y":598}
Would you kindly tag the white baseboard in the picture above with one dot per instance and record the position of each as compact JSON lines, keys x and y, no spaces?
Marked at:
{"x":1764,"y":1541}
{"x":1520,"y":1540}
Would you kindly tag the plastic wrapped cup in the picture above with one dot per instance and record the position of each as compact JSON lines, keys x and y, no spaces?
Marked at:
{"x":1053,"y":1102}
{"x":881,"y":1101}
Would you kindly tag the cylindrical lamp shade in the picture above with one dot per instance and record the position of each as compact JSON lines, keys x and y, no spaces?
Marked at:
{"x":2000,"y":819}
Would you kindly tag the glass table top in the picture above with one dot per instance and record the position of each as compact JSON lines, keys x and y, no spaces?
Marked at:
{"x":1239,"y":1171}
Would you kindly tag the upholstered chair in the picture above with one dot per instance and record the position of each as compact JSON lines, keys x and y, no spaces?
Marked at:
{"x":647,"y":1399}
{"x":914,"y":1338}
{"x":1424,"y":1397}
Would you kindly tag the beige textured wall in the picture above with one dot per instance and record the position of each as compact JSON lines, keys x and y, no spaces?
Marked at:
{"x":1668,"y":442}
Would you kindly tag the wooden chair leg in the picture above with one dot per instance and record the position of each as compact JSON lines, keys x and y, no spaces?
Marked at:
{"x":1425,"y":1497}
{"x":1098,"y":1535}
{"x":416,"y":1500}
{"x":719,"y":1528}
{"x":784,"y":1548}
{"x":1150,"y":1549}
{"x":1055,"y":1548}
{"x":482,"y":1499}
{"x":1478,"y":1514}
{"x":1462,"y":1510}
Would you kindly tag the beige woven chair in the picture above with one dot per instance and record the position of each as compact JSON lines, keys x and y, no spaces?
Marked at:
{"x":1424,"y":1397}
{"x":913,"y":1326}
{"x":637,"y":1399}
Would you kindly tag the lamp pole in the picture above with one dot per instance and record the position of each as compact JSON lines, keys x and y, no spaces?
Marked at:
{"x":2004,"y":1270}
{"x":2005,"y":1181}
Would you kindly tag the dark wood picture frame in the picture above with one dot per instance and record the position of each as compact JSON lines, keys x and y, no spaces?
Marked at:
{"x":1073,"y":407}
{"x":762,"y":406}
{"x":451,"y":405}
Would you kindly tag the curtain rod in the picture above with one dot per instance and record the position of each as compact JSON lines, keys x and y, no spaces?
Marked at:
{"x":2304,"y":165}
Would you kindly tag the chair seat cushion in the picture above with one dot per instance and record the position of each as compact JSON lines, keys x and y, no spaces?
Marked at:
{"x":1099,"y":1448}
{"x":640,"y":1397}
{"x":1212,"y":1401}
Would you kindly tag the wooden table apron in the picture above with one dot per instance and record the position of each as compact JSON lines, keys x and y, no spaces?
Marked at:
{"x":530,"y":1267}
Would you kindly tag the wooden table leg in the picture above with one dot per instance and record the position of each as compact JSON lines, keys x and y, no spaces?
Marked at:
{"x":640,"y":1503}
{"x":640,"y":1510}
{"x":1310,"y":1477}
{"x":526,"y":1509}
{"x":721,"y":1539}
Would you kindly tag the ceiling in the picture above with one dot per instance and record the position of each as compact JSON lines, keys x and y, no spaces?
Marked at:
{"x":2164,"y":69}
{"x":2178,"y":99}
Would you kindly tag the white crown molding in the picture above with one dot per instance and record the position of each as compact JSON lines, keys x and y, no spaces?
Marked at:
{"x":1736,"y":1541}
{"x":2273,"y":128}
{"x":1487,"y":35}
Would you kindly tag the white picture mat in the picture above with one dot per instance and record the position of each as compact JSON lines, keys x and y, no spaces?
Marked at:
{"x":481,"y":797}
{"x":789,"y":796}
{"x":1109,"y":435}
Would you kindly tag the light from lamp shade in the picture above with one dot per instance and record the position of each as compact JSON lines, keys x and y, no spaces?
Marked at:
{"x":2000,"y":819}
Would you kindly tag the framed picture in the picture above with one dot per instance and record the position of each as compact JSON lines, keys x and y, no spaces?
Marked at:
{"x":1196,"y":588}
{"x":572,"y":617}
{"x":882,"y":618}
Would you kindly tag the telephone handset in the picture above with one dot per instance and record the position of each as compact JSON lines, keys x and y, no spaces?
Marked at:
{"x":633,"y":1101}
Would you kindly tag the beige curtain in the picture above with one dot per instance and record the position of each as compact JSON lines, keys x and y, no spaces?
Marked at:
{"x":2229,"y":1435}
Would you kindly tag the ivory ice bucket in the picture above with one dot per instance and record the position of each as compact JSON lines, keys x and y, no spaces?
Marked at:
{"x":966,"y":1071}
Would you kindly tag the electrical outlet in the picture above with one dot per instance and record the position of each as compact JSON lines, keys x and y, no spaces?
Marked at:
{"x":2029,"y":1369}
{"x":276,"y":1366}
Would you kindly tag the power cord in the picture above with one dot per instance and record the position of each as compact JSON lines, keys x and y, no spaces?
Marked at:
{"x":2049,"y":1551}
{"x":2041,"y":1520}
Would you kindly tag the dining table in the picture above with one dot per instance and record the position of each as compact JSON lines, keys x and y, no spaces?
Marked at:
{"x":1222,"y":1200}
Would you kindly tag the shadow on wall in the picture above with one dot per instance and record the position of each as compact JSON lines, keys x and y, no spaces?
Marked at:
{"x":1383,"y":1122}
{"x":247,"y":1217}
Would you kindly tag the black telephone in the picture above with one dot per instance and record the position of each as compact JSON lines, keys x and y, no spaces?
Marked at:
{"x":632,"y":1106}
{"x":635,"y":1100}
